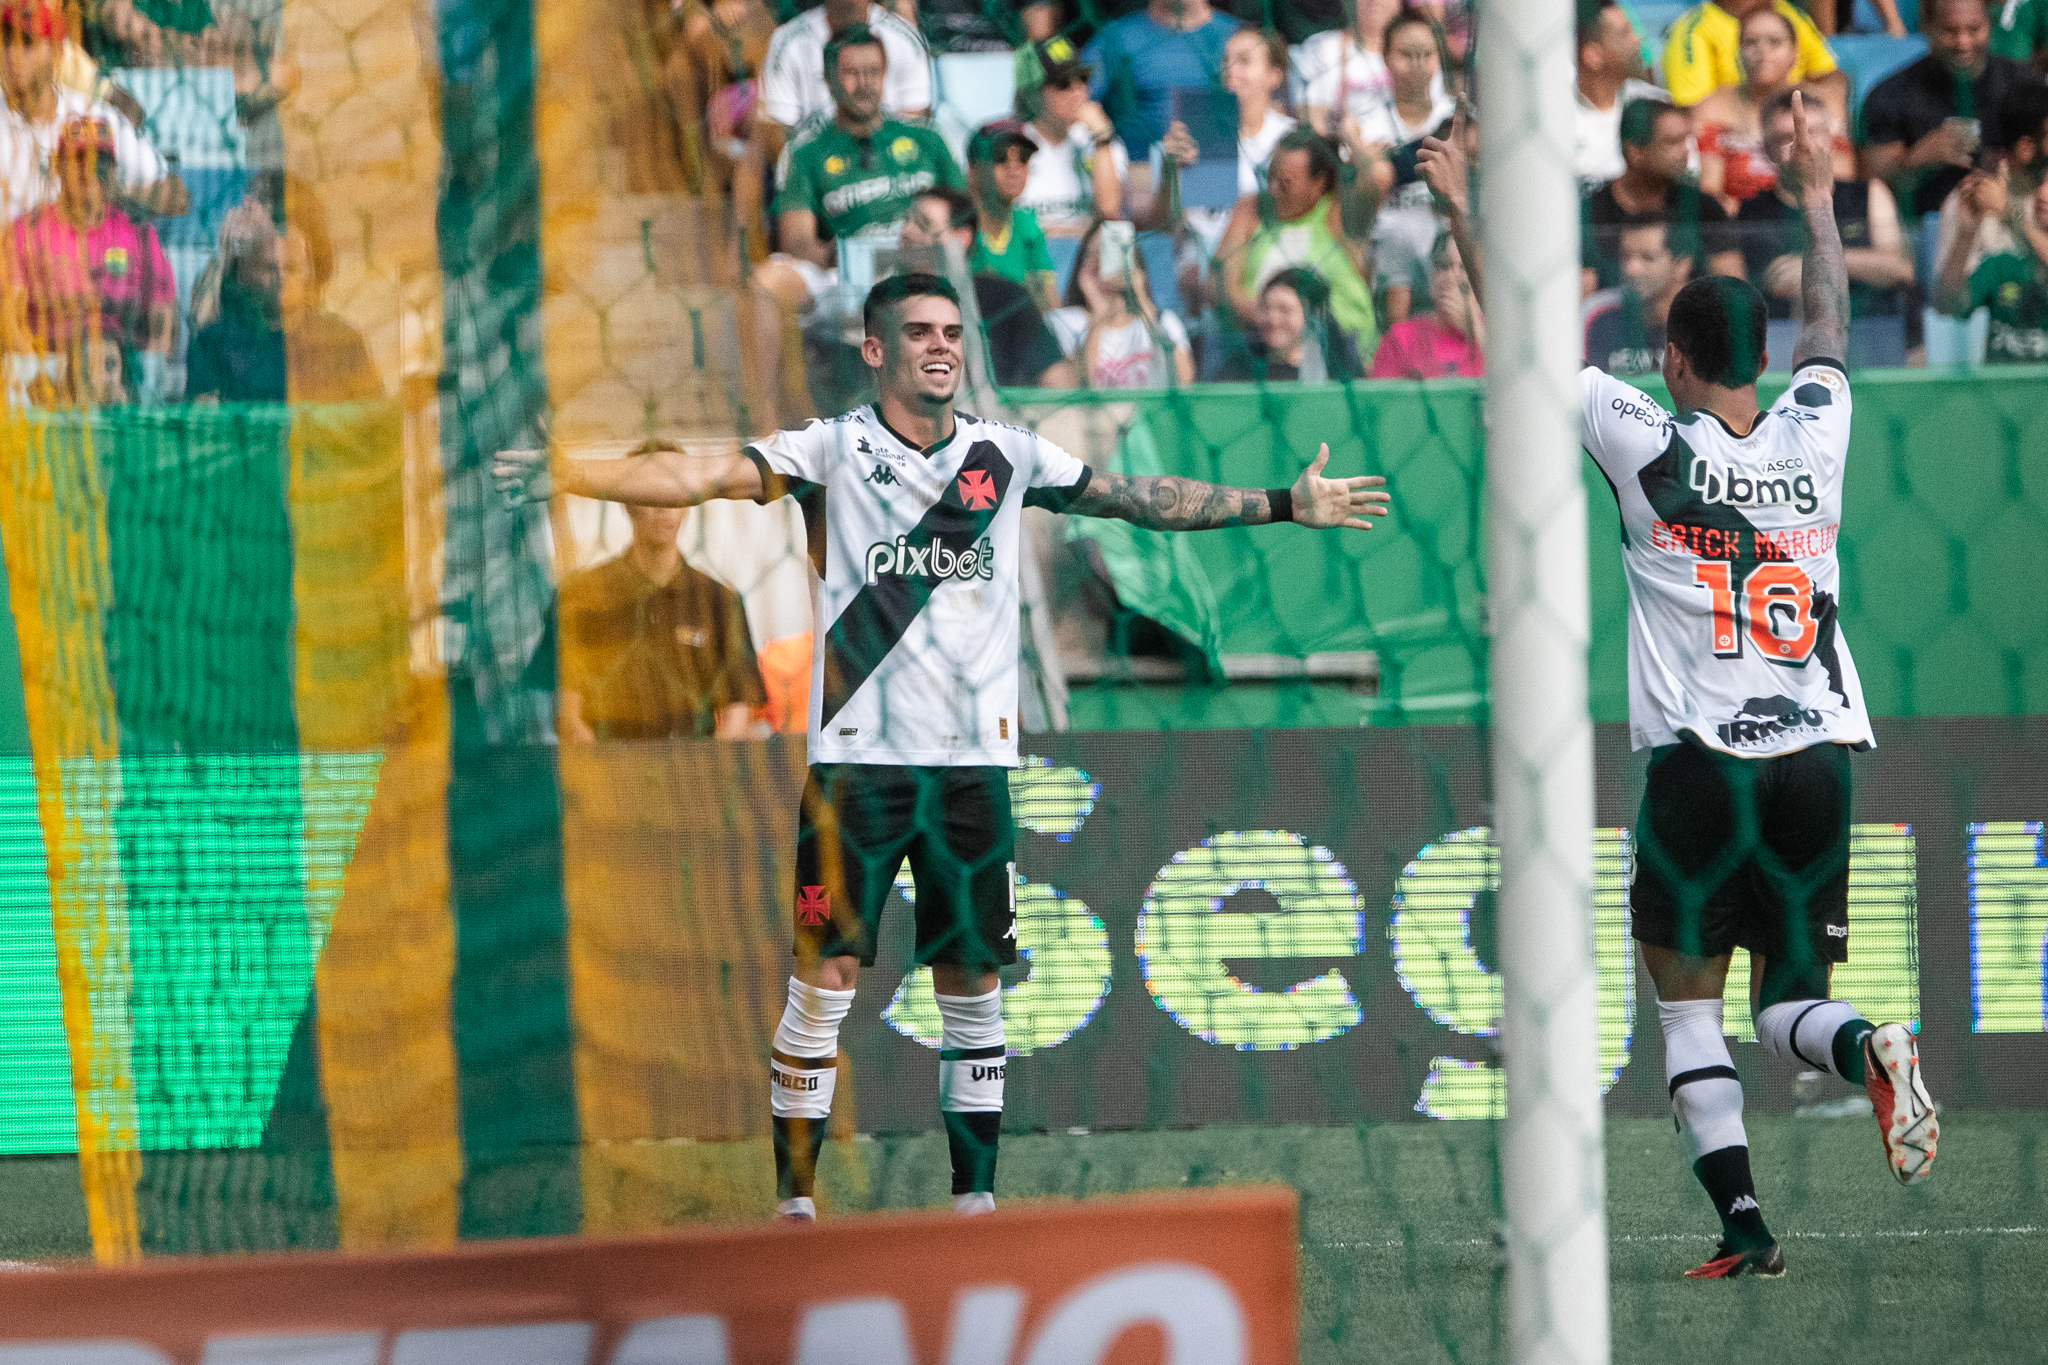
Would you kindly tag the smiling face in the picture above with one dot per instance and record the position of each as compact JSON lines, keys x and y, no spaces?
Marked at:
{"x":920,"y":352}
{"x":1768,"y":48}
{"x":1248,"y":65}
{"x":1282,"y":320}
{"x":1959,"y":34}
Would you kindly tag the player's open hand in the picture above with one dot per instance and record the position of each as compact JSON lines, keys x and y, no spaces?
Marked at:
{"x":522,"y":476}
{"x":1329,"y":503}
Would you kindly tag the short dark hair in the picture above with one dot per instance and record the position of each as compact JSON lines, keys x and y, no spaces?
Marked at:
{"x":897,"y":289}
{"x":1592,"y":13}
{"x":1639,"y":120}
{"x":2021,"y":113}
{"x":960,"y":210}
{"x":853,"y":35}
{"x":1308,"y":286}
{"x":1719,"y":324}
{"x":1791,"y":29}
{"x":1323,"y":161}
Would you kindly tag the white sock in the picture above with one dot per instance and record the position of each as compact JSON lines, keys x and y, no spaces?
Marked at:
{"x":1804,"y":1031}
{"x":972,"y":1052}
{"x":1706,"y":1095}
{"x":970,"y":1204}
{"x":801,"y":1070}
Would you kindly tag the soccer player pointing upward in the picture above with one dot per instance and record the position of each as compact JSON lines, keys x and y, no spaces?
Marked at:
{"x":915,"y":516}
{"x":1742,"y":688}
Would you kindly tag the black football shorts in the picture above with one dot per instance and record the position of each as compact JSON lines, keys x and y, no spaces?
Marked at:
{"x":861,"y":820}
{"x":1747,"y":853}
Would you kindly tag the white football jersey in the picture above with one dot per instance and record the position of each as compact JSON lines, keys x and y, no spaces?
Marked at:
{"x":1729,"y":546}
{"x":914,"y":591}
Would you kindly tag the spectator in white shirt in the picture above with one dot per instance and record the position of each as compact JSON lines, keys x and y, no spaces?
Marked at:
{"x":1610,"y":75}
{"x":32,"y":33}
{"x":1079,"y":171}
{"x":793,"y":89}
{"x":1122,"y":340}
{"x":1383,"y":140}
{"x":1344,"y":71}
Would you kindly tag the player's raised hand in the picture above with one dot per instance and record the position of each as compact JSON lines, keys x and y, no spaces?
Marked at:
{"x":1813,"y":155}
{"x":1329,"y":503}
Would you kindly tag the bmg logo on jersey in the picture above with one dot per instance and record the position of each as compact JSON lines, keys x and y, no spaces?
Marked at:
{"x":1728,"y":485}
{"x":902,"y":559}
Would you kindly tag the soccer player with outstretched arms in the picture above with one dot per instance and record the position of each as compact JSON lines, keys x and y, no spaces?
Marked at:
{"x":1742,"y":688}
{"x":915,"y":519}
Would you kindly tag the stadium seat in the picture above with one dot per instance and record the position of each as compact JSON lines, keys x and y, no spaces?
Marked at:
{"x":1654,"y":17}
{"x":969,"y":89}
{"x":1869,"y":57}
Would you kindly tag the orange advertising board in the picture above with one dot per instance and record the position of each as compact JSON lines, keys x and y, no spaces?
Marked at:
{"x":1201,"y":1278}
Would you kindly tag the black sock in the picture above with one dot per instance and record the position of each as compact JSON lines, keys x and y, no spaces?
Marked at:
{"x":1848,"y":1048}
{"x":797,"y":1143}
{"x":972,"y":1139}
{"x":1726,"y":1176}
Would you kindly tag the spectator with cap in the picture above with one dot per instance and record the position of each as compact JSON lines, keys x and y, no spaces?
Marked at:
{"x":1704,"y":52}
{"x":652,"y":648}
{"x":1924,"y":126}
{"x":1138,"y":61}
{"x":1656,"y":189}
{"x":1122,"y":340}
{"x":1449,"y":341}
{"x":1298,"y":221}
{"x":1023,"y":352}
{"x":1773,"y":227}
{"x":87,"y":283}
{"x":1624,"y":326}
{"x":38,"y":108}
{"x":1007,"y":239}
{"x":1610,"y":75}
{"x":1079,"y":174}
{"x":857,"y":175}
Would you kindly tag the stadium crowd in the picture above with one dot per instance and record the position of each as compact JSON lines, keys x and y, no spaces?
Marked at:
{"x":1168,"y":191}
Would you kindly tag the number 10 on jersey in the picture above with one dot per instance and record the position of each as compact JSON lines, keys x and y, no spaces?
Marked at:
{"x":1773,"y":606}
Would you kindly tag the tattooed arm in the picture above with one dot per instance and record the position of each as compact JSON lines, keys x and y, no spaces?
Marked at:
{"x":1824,"y":274}
{"x":1171,"y":503}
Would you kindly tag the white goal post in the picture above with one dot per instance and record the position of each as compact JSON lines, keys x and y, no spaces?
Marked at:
{"x":1553,"y":1173}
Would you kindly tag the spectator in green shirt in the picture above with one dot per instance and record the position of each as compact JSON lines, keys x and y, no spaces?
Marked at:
{"x":857,"y":175}
{"x":1007,"y":240}
{"x":2012,"y":284}
{"x":2019,"y":31}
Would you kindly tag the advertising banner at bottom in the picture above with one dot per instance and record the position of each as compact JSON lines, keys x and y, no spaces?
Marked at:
{"x":1200,"y":1278}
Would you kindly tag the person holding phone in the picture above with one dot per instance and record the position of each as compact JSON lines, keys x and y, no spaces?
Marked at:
{"x":1121,"y":339}
{"x":1383,"y":139}
{"x":1924,"y":126}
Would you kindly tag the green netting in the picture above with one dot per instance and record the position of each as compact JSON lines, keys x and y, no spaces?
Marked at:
{"x":399,"y":964}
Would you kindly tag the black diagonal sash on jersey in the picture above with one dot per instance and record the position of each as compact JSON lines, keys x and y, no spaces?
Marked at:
{"x":882,"y":611}
{"x":1666,"y":481}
